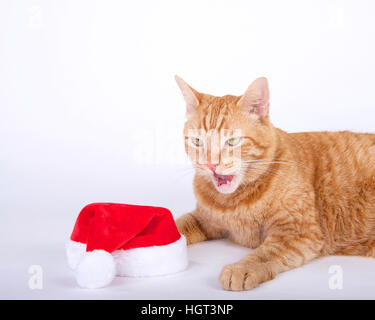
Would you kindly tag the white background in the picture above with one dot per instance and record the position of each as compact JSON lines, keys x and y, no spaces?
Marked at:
{"x":90,"y":112}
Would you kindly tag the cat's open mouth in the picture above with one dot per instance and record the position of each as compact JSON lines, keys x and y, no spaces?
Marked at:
{"x":223,"y":179}
{"x":225,"y":183}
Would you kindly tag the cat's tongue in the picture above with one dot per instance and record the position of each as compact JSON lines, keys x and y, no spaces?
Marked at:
{"x":223,"y":179}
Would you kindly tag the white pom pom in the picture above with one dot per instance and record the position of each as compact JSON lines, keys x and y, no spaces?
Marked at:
{"x":95,"y":270}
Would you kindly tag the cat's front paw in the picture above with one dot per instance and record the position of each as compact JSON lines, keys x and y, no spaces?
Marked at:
{"x":238,"y":277}
{"x":183,"y":229}
{"x":189,"y":227}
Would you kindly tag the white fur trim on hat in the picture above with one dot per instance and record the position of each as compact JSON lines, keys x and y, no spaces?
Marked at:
{"x":152,"y":261}
{"x":95,"y":270}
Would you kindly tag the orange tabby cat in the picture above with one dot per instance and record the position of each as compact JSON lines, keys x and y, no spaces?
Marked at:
{"x":292,"y":197}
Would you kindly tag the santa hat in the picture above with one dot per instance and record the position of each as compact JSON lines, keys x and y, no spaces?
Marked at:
{"x":112,"y":239}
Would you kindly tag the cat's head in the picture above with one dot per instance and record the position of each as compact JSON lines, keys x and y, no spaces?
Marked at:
{"x":228,"y":138}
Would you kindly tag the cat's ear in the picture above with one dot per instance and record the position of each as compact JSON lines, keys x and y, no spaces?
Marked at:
{"x":255,"y":100}
{"x":190,"y":95}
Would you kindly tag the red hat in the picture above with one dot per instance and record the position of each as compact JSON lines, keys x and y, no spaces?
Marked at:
{"x":111,"y":239}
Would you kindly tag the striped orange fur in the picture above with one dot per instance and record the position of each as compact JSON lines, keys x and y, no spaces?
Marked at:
{"x":297,"y":196}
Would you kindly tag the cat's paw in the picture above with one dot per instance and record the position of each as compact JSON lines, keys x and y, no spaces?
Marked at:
{"x":189,"y":241}
{"x":182,"y":228}
{"x":189,"y":227}
{"x":238,"y":277}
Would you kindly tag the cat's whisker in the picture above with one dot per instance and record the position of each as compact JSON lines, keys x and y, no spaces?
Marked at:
{"x":262,"y":162}
{"x":272,"y":161}
{"x":268,"y":171}
{"x":184,"y":172}
{"x":181,"y":177}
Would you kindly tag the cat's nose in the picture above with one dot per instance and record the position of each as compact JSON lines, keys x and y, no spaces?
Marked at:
{"x":211,"y":166}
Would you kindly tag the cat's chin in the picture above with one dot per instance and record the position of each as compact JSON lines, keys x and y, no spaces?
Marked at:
{"x":226,"y":188}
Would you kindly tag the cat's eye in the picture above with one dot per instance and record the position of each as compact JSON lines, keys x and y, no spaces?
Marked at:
{"x":233,"y":141}
{"x":197,"y":142}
